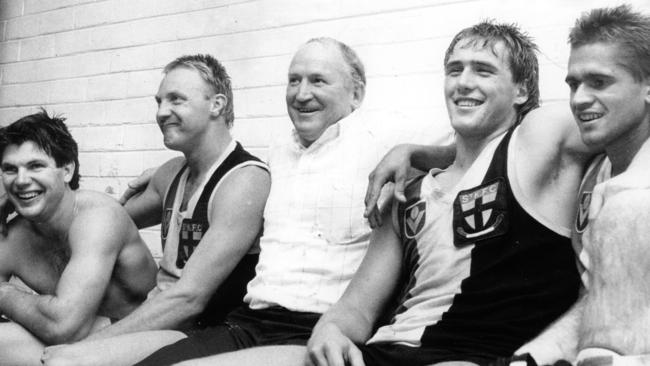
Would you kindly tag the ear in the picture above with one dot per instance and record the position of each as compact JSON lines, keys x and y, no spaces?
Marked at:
{"x":219,"y":102}
{"x":521,"y":94}
{"x":646,"y":82}
{"x":68,"y":172}
{"x":358,"y":93}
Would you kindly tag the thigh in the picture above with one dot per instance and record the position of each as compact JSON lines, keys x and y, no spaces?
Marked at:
{"x":267,"y":356}
{"x":208,"y":342}
{"x":18,"y":347}
{"x":121,"y":350}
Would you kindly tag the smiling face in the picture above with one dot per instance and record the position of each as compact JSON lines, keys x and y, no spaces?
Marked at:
{"x":184,"y":108}
{"x":479,"y":91}
{"x":33,"y":182}
{"x":608,"y":104}
{"x":320,"y":90}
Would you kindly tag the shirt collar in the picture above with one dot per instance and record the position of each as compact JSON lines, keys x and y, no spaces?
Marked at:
{"x":331,"y":133}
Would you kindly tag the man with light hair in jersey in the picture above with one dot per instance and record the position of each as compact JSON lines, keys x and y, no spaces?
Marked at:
{"x":210,"y":203}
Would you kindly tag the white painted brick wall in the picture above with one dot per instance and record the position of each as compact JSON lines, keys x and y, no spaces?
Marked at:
{"x":99,"y":62}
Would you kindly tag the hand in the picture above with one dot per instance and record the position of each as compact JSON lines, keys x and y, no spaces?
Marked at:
{"x":137,"y":185}
{"x":6,"y":209}
{"x":393,"y":167}
{"x":329,"y":347}
{"x":53,"y":355}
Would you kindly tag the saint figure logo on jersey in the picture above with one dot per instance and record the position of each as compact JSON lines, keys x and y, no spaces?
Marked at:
{"x":414,"y":218}
{"x":480,"y":213}
{"x":582,"y":218}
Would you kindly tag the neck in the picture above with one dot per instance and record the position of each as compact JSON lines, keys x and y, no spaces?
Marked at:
{"x":204,"y":155}
{"x":57,"y":224}
{"x":624,"y":149}
{"x":468,"y":148}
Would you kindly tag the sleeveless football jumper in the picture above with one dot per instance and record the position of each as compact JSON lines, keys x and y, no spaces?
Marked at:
{"x":230,"y":294}
{"x":492,"y":280}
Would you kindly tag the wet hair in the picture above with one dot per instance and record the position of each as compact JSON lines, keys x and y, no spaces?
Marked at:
{"x":50,"y":134}
{"x":213,"y":73}
{"x":357,"y":70}
{"x":627,"y":29}
{"x":522,"y":55}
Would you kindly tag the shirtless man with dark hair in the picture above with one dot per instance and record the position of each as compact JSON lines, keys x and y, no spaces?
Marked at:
{"x":78,"y":250}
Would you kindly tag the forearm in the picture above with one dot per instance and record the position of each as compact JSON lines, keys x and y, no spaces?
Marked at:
{"x":167,"y":310}
{"x":352,"y":323}
{"x":426,"y":158}
{"x":43,"y":315}
{"x":559,"y":340}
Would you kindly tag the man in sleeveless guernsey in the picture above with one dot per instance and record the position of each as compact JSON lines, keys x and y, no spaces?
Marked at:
{"x":210,"y":203}
{"x":78,"y":251}
{"x":315,"y":235}
{"x":609,"y":78}
{"x":479,"y":256}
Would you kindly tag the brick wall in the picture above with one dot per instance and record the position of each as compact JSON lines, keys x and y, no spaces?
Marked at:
{"x":99,"y":62}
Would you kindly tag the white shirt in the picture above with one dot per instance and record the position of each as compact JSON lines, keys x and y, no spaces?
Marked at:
{"x":315,"y":235}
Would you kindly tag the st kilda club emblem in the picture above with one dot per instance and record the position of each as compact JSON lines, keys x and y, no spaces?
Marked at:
{"x":480,"y":213}
{"x":414,"y":218}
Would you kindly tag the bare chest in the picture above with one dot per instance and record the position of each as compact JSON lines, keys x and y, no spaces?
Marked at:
{"x":41,"y":267}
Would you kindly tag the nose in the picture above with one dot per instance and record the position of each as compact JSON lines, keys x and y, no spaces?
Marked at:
{"x":303,"y":92}
{"x":581,"y":97}
{"x":163,"y":111}
{"x":22,"y":177}
{"x":466,"y":80}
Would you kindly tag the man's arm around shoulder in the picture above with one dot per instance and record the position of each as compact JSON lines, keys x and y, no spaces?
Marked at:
{"x":145,"y":208}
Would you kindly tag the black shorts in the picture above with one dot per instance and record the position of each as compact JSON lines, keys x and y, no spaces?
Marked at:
{"x":390,"y":354}
{"x":243,"y":328}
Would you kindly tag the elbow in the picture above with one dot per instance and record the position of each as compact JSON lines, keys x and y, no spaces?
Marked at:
{"x":65,"y":331}
{"x":59,"y":334}
{"x":192,"y":301}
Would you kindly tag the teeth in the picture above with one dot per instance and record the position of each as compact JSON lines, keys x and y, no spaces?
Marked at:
{"x":468,"y":103}
{"x":586,"y":117}
{"x":26,"y":196}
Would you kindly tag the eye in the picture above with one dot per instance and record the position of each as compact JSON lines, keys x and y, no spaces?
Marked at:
{"x":37,"y":165}
{"x":293,"y":81}
{"x":453,"y":70}
{"x":597,"y":83}
{"x":484,"y":72}
{"x":9,"y":169}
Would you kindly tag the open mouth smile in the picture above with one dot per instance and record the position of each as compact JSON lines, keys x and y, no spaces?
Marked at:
{"x":468,"y":102}
{"x":589,"y":116}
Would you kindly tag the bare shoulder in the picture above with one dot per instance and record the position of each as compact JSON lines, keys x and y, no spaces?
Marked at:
{"x":99,"y":215}
{"x":91,"y":202}
{"x":246,"y":180}
{"x":241,"y":196}
{"x":547,"y":127}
